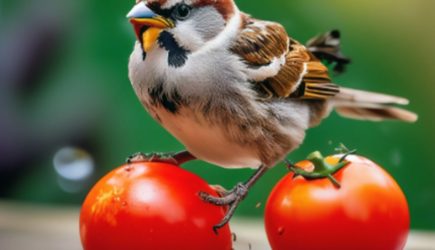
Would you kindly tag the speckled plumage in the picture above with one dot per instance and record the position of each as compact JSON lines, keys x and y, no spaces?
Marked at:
{"x":240,"y":92}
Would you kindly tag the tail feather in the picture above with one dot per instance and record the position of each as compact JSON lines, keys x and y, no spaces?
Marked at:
{"x":361,"y":96}
{"x":377,"y":114}
{"x":327,"y":47}
{"x":364,"y":105}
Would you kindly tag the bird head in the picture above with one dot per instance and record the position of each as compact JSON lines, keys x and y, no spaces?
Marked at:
{"x":191,"y":23}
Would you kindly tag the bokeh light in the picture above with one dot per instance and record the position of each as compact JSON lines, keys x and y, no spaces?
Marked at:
{"x":74,"y":168}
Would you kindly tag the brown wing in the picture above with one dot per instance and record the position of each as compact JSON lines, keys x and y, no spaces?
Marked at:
{"x":280,"y":66}
{"x":260,"y":42}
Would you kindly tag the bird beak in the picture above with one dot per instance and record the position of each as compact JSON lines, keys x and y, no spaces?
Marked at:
{"x":147,"y":25}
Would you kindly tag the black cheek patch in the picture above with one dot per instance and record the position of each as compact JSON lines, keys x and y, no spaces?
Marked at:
{"x":177,"y":55}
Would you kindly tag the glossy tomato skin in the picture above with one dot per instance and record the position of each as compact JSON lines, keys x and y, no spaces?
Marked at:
{"x":369,"y":211}
{"x":151,"y":206}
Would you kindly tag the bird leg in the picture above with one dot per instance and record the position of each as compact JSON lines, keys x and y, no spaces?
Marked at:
{"x":171,"y":158}
{"x":233,"y":197}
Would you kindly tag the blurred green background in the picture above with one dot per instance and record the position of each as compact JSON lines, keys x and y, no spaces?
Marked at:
{"x":63,"y":83}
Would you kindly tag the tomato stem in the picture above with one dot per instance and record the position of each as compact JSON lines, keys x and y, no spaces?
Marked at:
{"x":322,"y":169}
{"x":351,"y":152}
{"x":334,"y":181}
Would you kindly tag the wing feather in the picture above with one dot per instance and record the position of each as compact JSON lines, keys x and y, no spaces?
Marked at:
{"x":279,"y":66}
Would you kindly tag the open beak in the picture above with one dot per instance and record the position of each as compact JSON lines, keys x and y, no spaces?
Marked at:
{"x":147,"y":25}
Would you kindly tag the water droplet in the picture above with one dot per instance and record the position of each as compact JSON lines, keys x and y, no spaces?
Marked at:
{"x":116,"y":199}
{"x":258,"y":205}
{"x":124,"y":204}
{"x":281,"y":230}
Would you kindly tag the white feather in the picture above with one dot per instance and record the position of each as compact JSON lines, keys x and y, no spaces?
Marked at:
{"x":193,"y":41}
{"x":264,"y":72}
{"x":301,"y":76}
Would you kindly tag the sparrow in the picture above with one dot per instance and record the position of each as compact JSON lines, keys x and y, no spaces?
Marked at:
{"x":236,"y":91}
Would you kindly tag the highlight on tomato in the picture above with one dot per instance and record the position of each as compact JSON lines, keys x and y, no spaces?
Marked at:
{"x":337,"y":203}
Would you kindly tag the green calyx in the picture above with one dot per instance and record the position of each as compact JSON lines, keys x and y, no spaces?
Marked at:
{"x":322,"y":169}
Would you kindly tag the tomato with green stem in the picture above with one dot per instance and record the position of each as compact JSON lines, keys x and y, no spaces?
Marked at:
{"x":328,"y":203}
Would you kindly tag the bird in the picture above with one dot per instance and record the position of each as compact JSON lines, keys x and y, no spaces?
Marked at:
{"x":237,"y":91}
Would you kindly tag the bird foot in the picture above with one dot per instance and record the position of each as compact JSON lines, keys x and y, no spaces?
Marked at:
{"x":231,"y":198}
{"x":219,"y":189}
{"x":170,"y":158}
{"x":152,"y":157}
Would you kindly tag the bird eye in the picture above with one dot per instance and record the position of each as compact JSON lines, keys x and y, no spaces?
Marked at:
{"x":182,"y":12}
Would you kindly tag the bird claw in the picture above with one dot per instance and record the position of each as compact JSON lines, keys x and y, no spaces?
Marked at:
{"x":231,"y":198}
{"x":170,"y":158}
{"x":152,"y":157}
{"x":226,"y":197}
{"x":220,"y":190}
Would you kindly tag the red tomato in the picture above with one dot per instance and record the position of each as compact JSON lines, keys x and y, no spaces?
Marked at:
{"x":151,"y":206}
{"x":368,"y":211}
